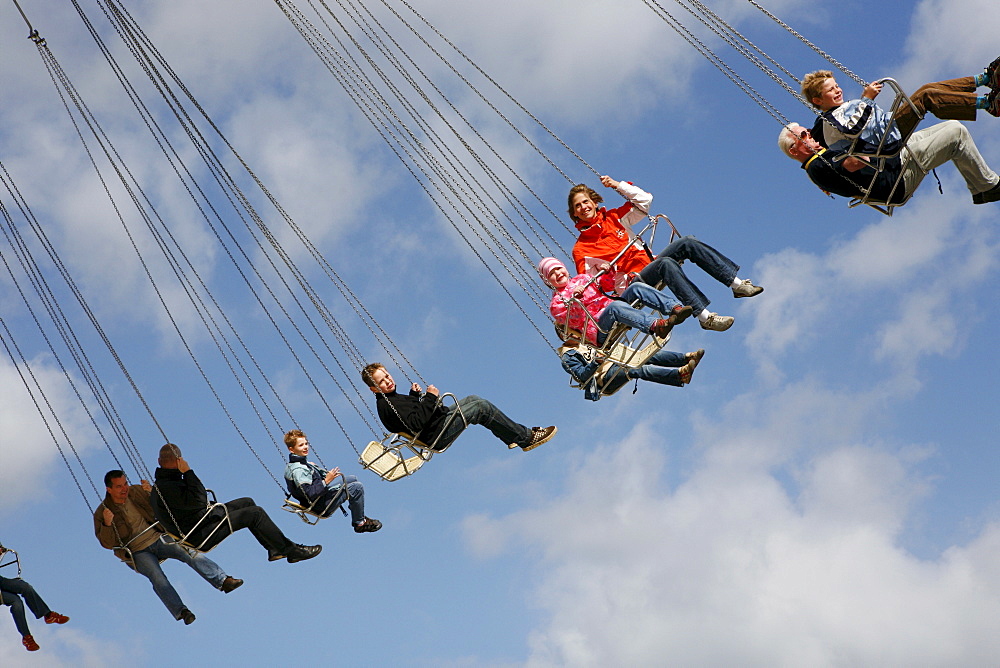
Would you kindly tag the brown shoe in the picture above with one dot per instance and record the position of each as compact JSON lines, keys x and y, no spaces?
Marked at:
{"x":55,"y":618}
{"x":230,"y":584}
{"x":367,"y":526}
{"x":538,"y":436}
{"x":679,"y":314}
{"x":661,"y":327}
{"x":29,"y":644}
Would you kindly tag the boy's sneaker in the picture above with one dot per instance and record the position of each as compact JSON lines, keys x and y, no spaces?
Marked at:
{"x":367,"y":526}
{"x":993,"y":74}
{"x":538,"y":436}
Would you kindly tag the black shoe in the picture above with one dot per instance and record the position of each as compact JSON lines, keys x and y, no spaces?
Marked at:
{"x":303,"y":552}
{"x":275,"y":556}
{"x":369,"y":525}
{"x":230,"y":583}
{"x":186,"y":616}
{"x":993,"y":74}
{"x":991,"y":195}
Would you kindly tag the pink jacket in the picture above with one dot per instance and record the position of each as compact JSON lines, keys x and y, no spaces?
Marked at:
{"x":592,"y":299}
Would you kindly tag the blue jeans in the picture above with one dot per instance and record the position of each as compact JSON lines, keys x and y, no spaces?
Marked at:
{"x":11,"y":592}
{"x":147,"y":562}
{"x":661,"y":368}
{"x":666,"y":268}
{"x":480,"y":411}
{"x":334,"y":495}
{"x":620,"y":311}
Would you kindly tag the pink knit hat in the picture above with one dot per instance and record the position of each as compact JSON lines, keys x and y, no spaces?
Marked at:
{"x":545,"y":267}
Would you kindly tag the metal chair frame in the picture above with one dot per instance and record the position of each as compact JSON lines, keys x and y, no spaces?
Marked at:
{"x":293,"y":505}
{"x":385,"y":458}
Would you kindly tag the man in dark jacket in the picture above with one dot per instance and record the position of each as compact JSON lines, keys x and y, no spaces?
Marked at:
{"x":422,"y":415}
{"x":124,"y":524}
{"x":180,"y":503}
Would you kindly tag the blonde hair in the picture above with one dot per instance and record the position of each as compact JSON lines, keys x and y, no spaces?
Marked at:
{"x":812,"y":84}
{"x":292,"y":436}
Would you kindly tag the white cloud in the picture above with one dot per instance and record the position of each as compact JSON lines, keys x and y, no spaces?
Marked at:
{"x":63,"y":647}
{"x":734,"y":566}
{"x":28,"y":451}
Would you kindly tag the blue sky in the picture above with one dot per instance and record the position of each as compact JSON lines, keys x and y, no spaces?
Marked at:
{"x":824,"y":493}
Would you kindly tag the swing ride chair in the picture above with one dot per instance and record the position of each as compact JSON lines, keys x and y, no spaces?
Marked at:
{"x":879,"y":157}
{"x":127,"y":547}
{"x":307,"y":511}
{"x":4,"y":551}
{"x":623,"y":346}
{"x":185,"y":540}
{"x":386,"y":457}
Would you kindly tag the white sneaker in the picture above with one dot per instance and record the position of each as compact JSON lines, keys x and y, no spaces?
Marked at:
{"x":747,"y":289}
{"x":717,"y":323}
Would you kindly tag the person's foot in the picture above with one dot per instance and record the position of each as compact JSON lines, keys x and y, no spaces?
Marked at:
{"x":55,"y":618}
{"x":695,"y":356}
{"x":993,"y":74}
{"x":991,"y":195}
{"x":687,"y":371}
{"x":368,"y":526}
{"x":679,"y":314}
{"x":717,"y":323}
{"x":187,"y":617}
{"x":747,"y":289}
{"x":993,"y":102}
{"x":303,"y":552}
{"x":661,"y":327}
{"x":538,"y":436}
{"x":29,"y":644}
{"x":275,"y":556}
{"x":230,"y":583}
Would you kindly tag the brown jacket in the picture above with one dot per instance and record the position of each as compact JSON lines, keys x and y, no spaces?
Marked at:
{"x":117,"y":535}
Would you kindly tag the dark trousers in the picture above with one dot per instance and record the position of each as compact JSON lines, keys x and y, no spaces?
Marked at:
{"x":11,"y":592}
{"x":245,"y":514}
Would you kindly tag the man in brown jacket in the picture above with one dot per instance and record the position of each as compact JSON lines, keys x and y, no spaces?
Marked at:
{"x":124,"y":523}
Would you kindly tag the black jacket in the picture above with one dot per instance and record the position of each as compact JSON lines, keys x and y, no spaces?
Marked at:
{"x":826,"y":170}
{"x":413,"y":413}
{"x":187,"y":499}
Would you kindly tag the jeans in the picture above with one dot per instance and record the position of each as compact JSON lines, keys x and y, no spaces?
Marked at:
{"x":11,"y":592}
{"x":937,"y":145}
{"x":620,"y":311}
{"x":334,"y":495}
{"x":147,"y":562}
{"x":666,"y":269}
{"x":480,"y":411}
{"x":244,"y":513}
{"x":661,"y":368}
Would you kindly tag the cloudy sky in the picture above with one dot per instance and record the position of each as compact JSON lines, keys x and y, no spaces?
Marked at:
{"x":823,"y":494}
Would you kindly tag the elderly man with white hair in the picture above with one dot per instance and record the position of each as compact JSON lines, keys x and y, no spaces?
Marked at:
{"x":836,"y":172}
